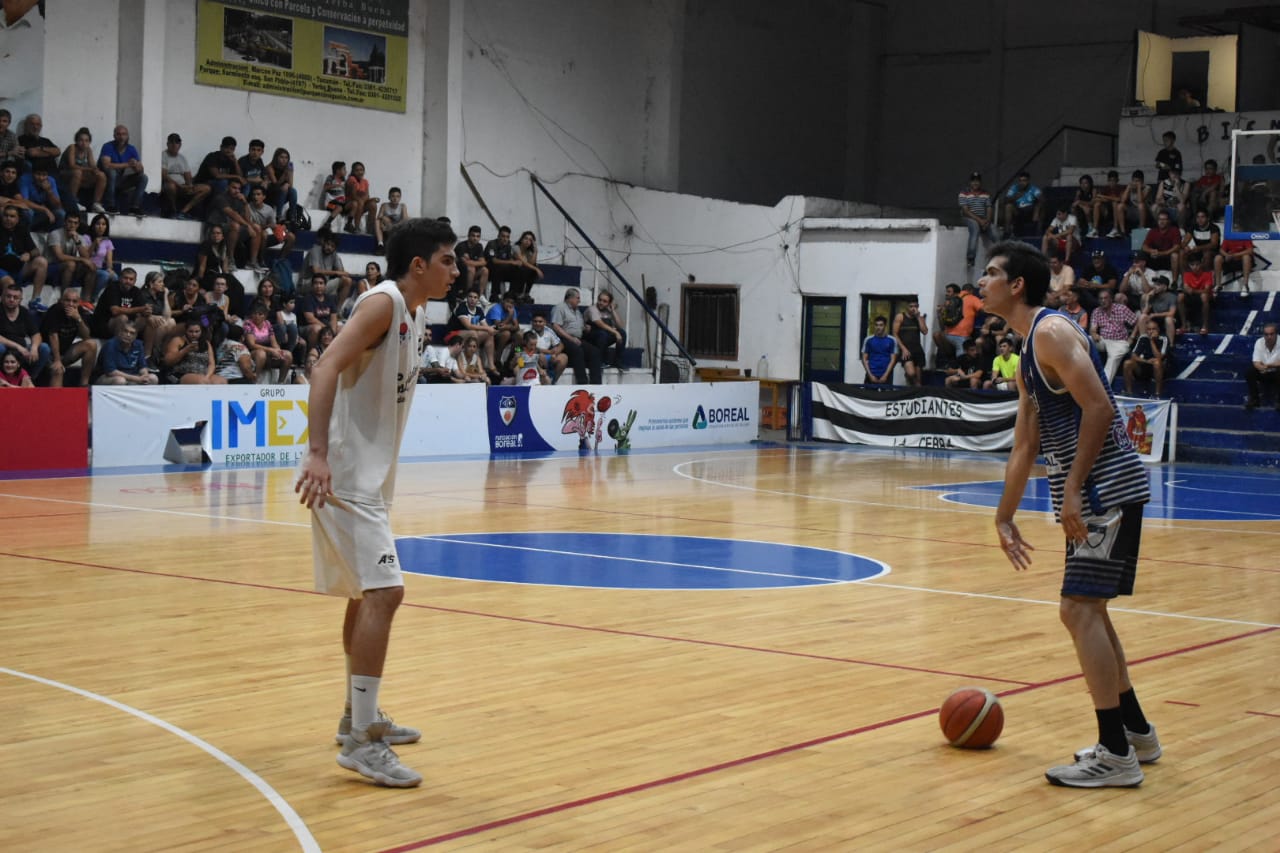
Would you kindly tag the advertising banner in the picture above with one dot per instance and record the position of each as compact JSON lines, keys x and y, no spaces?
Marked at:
{"x":238,"y":425}
{"x":1147,"y":422}
{"x":339,"y":51}
{"x":946,"y":418}
{"x":621,"y":417}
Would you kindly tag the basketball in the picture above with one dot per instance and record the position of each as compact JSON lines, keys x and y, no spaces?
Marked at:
{"x":971,"y":718}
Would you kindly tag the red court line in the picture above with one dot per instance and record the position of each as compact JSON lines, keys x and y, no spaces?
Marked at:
{"x":760,"y":756}
{"x":1186,"y":704}
{"x":1263,"y":714}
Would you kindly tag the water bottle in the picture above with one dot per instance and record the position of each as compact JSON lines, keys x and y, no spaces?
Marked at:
{"x":762,"y":367}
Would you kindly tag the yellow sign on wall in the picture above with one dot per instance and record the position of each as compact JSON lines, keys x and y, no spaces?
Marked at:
{"x":352,"y":52}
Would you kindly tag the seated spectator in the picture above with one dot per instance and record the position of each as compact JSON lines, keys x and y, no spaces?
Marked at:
{"x":218,"y":299}
{"x":1110,"y":324}
{"x":1062,"y":277}
{"x":1168,"y":157}
{"x":1148,"y":359}
{"x":568,"y":324}
{"x":605,"y":331}
{"x":234,"y":361}
{"x":179,"y":193}
{"x":102,"y":252}
{"x":1004,"y":368}
{"x":1203,"y":239}
{"x":317,"y":312}
{"x":323,"y":340}
{"x":1171,"y":197}
{"x":335,"y":193}
{"x":1105,"y":203}
{"x":65,"y":327}
{"x":1164,"y":246}
{"x":1062,"y":233}
{"x":280,"y":189}
{"x":550,"y":351}
{"x":503,"y":265}
{"x":244,"y":236}
{"x":124,"y":361}
{"x":1234,"y":255}
{"x":323,"y":258}
{"x":469,"y":318}
{"x":12,"y":374}
{"x":1207,"y":191}
{"x":1264,"y":369}
{"x":122,"y":298}
{"x":1137,"y":280}
{"x":522,"y":366}
{"x":11,"y":193}
{"x":975,"y":211}
{"x":213,"y":259}
{"x":126,"y":179}
{"x":40,"y":192}
{"x":68,"y":253}
{"x":469,"y":363}
{"x":1023,"y":206}
{"x":219,"y":167}
{"x":303,"y":376}
{"x":286,"y":328}
{"x":359,"y":202}
{"x":189,"y":358}
{"x":526,"y":271}
{"x":950,"y":321}
{"x":1161,"y":306}
{"x":1072,"y":308}
{"x":80,"y":181}
{"x":391,"y":214}
{"x":263,"y":216}
{"x":879,"y":354}
{"x":1132,"y":208}
{"x":440,"y":363}
{"x":968,"y":370}
{"x":1197,"y":287}
{"x":9,"y":147}
{"x":188,"y":304}
{"x":159,"y":317}
{"x":260,"y":338}
{"x":473,"y":267}
{"x":252,"y":169}
{"x":372,"y":278}
{"x":38,"y":150}
{"x":1081,"y":206}
{"x":19,"y":332}
{"x":20,"y":258}
{"x":502,"y":318}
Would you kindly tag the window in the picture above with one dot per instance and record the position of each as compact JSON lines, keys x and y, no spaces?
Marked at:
{"x":709,"y":320}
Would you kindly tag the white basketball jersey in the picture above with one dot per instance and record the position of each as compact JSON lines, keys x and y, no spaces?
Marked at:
{"x":372,"y":403}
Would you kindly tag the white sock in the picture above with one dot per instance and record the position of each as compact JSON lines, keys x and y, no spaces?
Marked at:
{"x":347,"y":694}
{"x":364,"y":701}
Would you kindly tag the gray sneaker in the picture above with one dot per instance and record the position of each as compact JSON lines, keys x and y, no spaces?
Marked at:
{"x":1100,"y":770}
{"x":371,"y":757}
{"x":392,"y":733}
{"x":1146,"y":746}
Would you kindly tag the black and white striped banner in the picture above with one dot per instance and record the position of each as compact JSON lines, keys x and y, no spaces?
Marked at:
{"x":914,"y":417}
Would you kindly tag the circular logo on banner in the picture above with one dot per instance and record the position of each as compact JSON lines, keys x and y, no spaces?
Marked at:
{"x":631,"y":561}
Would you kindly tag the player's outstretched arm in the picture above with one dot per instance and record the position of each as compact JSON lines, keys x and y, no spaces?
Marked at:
{"x":1026,"y":443}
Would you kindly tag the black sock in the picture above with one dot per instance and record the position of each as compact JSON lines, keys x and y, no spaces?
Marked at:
{"x":1134,"y":721}
{"x":1111,"y":730}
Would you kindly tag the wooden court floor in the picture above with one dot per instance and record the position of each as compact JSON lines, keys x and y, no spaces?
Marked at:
{"x":170,"y":682}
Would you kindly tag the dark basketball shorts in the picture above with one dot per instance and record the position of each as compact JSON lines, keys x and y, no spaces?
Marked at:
{"x":1106,"y":564}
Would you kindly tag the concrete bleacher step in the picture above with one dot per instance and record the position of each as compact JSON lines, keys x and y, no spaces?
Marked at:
{"x":1210,"y":416}
{"x":1227,"y":456}
{"x":1231,"y":439}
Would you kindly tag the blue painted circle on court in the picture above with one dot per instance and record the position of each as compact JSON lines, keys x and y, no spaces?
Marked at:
{"x":1177,"y":493}
{"x":630,"y":561}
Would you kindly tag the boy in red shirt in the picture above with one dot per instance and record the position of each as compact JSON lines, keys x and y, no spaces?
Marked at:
{"x":1197,"y":283}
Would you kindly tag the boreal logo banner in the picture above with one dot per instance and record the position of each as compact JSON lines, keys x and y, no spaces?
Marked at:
{"x":351,"y":52}
{"x":918,"y":417}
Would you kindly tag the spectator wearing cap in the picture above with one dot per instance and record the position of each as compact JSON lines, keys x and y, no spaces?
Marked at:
{"x":975,"y":211}
{"x":177,"y":185}
{"x":1161,"y":305}
{"x":1136,"y":284}
{"x":1098,"y":277}
{"x":219,"y":166}
{"x":1023,"y":206}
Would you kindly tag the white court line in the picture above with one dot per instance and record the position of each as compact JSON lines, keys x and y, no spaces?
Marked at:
{"x":1270,"y":303}
{"x":1248,"y":322}
{"x":728,"y":569}
{"x":1191,"y":368}
{"x":1223,"y":344}
{"x":300,"y":831}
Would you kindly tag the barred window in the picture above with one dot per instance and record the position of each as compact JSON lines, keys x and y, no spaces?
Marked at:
{"x":709,"y":320}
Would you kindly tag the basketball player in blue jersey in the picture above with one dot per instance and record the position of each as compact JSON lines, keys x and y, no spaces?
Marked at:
{"x":361,"y":391}
{"x":1098,"y":487}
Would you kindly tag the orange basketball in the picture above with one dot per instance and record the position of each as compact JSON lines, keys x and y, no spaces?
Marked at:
{"x":971,"y":718}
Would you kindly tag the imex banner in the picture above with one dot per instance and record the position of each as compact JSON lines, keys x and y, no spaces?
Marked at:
{"x":338,"y":51}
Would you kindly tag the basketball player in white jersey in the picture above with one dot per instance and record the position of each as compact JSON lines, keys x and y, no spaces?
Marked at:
{"x":361,"y":390}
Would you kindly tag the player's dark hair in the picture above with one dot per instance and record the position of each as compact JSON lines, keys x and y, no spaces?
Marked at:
{"x":416,"y":238}
{"x":1027,"y":263}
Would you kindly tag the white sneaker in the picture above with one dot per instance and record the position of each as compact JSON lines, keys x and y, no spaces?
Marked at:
{"x":1146,"y":746}
{"x":1114,"y":233}
{"x":371,"y":757}
{"x":1100,"y":770}
{"x":1093,"y":232}
{"x":98,"y":208}
{"x":391,"y":733}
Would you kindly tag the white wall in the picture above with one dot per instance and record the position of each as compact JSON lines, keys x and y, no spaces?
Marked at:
{"x":1201,"y":136}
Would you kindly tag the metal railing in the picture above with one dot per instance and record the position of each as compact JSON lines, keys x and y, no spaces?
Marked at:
{"x":1063,"y":133}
